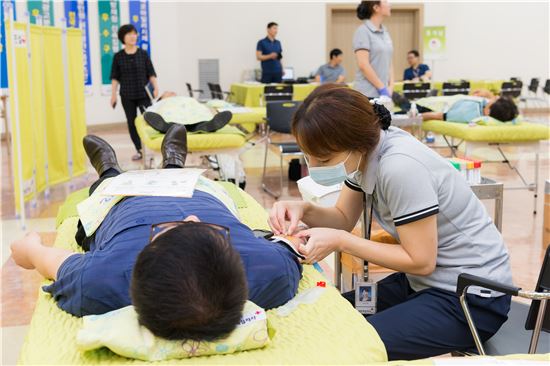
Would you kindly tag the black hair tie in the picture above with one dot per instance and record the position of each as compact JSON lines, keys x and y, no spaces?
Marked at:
{"x":384,"y":116}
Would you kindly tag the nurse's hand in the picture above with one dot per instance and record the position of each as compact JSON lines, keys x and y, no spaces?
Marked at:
{"x":320,"y":243}
{"x":284,"y":211}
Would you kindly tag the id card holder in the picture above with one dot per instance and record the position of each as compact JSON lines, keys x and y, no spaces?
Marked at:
{"x":366,"y":294}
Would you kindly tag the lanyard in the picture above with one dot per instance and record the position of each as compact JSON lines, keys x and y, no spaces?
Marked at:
{"x":368,"y":203}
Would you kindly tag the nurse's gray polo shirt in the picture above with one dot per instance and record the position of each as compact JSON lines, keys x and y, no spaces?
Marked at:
{"x":379,"y":44}
{"x":409,"y":182}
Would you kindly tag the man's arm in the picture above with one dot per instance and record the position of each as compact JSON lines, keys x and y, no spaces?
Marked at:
{"x":30,"y":253}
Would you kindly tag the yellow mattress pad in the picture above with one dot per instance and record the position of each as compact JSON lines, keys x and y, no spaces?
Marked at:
{"x":508,"y":133}
{"x":229,"y":137}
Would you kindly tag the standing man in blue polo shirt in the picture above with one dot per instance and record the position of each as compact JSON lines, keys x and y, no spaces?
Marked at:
{"x":417,"y":71}
{"x":270,"y":53}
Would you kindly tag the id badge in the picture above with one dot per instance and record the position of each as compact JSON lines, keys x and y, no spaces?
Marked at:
{"x":365,"y":297}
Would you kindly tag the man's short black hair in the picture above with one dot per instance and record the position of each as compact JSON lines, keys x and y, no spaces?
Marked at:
{"x":271,"y":24}
{"x":414,"y":52}
{"x":189,"y":284}
{"x":503,"y":109}
{"x":335,"y":53}
{"x":124,"y":30}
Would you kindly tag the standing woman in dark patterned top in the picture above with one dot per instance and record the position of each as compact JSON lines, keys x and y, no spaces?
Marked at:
{"x":132,"y":69}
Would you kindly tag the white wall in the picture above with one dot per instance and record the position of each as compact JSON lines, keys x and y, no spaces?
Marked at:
{"x":492,"y":40}
{"x":484,"y":41}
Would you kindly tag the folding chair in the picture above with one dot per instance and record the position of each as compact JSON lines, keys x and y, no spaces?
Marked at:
{"x":413,"y":91}
{"x":511,"y":89}
{"x":532,"y":89}
{"x":454,"y":88}
{"x":510,"y":336}
{"x":278,"y":117}
{"x":191,"y":91}
{"x":216,"y":92}
{"x":276,"y":93}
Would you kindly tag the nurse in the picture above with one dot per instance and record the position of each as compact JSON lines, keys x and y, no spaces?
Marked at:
{"x":373,"y":49}
{"x":442,"y":228}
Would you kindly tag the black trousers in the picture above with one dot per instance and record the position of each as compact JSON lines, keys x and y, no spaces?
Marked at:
{"x":130,"y":109}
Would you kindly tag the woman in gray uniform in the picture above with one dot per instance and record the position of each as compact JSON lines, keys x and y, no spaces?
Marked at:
{"x":421,"y":200}
{"x":373,"y":49}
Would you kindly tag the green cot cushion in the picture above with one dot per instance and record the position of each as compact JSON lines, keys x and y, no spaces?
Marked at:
{"x":229,"y":137}
{"x":327,"y":331}
{"x":521,"y":132}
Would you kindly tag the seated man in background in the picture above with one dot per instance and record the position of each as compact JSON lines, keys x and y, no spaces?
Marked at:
{"x":187,"y":265}
{"x":417,"y":72}
{"x":332,"y":72}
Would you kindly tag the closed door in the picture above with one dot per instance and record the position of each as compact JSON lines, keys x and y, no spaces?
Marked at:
{"x":404,"y":26}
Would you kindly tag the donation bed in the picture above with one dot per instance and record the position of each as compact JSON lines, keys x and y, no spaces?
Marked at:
{"x":326,"y":330}
{"x":524,"y":135}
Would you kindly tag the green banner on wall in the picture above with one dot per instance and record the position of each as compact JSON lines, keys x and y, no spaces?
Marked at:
{"x":435,"y":42}
{"x":41,"y":8}
{"x":109,"y":22}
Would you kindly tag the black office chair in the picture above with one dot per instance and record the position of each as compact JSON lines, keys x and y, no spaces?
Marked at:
{"x":511,"y":89}
{"x":191,"y":91}
{"x":216,"y":92}
{"x":413,"y":91}
{"x":279,"y":116}
{"x":454,"y":88}
{"x":277,"y":93}
{"x":510,"y":336}
{"x":546,"y":87}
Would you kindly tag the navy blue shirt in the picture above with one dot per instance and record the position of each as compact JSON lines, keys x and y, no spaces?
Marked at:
{"x":411,"y":73}
{"x":98,"y":281}
{"x":266,"y":46}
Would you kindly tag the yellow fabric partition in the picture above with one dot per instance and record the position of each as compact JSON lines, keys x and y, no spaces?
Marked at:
{"x":38,"y":117}
{"x":47,"y":143}
{"x":77,"y":98}
{"x":56,"y":129}
{"x":24,"y":98}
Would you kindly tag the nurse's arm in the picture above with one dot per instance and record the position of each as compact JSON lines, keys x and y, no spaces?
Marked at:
{"x":362,"y":58}
{"x":344,"y":215}
{"x":30,"y":253}
{"x":416,"y":255}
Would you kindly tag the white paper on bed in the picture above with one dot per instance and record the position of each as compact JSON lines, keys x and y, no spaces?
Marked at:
{"x":93,"y":210}
{"x":155,"y":182}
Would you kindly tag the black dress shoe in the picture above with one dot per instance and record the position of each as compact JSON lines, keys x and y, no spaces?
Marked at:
{"x":156,"y":121}
{"x":174,"y":147}
{"x":101,"y":154}
{"x":216,"y":123}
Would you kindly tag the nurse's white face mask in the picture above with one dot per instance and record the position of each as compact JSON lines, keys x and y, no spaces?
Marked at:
{"x":331,"y":175}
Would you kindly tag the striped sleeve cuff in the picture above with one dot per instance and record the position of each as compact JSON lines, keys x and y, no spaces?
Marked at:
{"x":414,"y":216}
{"x":353,"y":186}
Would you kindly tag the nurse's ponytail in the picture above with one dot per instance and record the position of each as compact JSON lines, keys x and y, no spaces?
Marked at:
{"x":384,"y":116}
